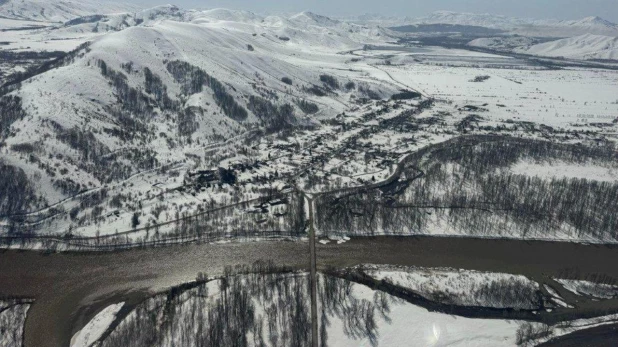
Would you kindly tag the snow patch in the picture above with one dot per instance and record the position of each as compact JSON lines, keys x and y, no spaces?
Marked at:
{"x":96,"y":327}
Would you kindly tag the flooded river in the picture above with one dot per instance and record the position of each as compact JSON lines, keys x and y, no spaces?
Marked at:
{"x":70,"y":288}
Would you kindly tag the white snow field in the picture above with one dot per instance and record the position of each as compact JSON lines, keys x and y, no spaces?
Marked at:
{"x":459,"y":285}
{"x":402,"y":324}
{"x":555,"y":98}
{"x":413,"y":325}
{"x":87,"y":336}
{"x":349,"y":314}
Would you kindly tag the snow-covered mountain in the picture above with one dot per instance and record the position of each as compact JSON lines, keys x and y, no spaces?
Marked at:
{"x":115,"y":22}
{"x":60,"y":10}
{"x":160,"y":85}
{"x":473,"y":19}
{"x":593,"y":23}
{"x":306,"y":26}
{"x":579,"y":47}
{"x":527,"y":27}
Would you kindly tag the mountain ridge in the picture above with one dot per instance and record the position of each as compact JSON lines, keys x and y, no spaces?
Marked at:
{"x":522,"y":26}
{"x":60,"y":11}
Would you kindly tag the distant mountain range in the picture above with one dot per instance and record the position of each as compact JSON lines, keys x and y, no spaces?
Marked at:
{"x":521,"y":26}
{"x":60,"y":11}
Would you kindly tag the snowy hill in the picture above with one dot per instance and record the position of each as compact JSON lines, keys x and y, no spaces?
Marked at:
{"x":37,"y":36}
{"x":161,"y":85}
{"x":527,"y":27}
{"x":115,"y":22}
{"x":594,"y":23}
{"x":310,"y":18}
{"x":579,"y":47}
{"x":60,"y":11}
{"x":304,"y":26}
{"x":569,"y":28}
{"x":224,"y":15}
{"x":473,"y":19}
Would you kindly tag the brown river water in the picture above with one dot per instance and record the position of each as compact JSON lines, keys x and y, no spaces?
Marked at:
{"x":70,"y":288}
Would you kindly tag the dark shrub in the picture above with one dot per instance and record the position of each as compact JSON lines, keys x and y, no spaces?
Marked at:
{"x":406,"y":95}
{"x":330,"y":81}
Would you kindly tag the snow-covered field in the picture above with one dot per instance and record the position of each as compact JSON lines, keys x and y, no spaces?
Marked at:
{"x":504,"y":43}
{"x":388,"y":321}
{"x":7,"y":23}
{"x":408,"y":324}
{"x":558,"y":98}
{"x":273,"y":309}
{"x":458,"y":286}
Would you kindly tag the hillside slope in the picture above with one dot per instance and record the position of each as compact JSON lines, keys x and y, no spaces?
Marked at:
{"x":60,"y":11}
{"x":579,"y":47}
{"x":148,"y":100}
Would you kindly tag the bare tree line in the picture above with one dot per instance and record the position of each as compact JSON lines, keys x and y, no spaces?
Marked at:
{"x":469,"y":188}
